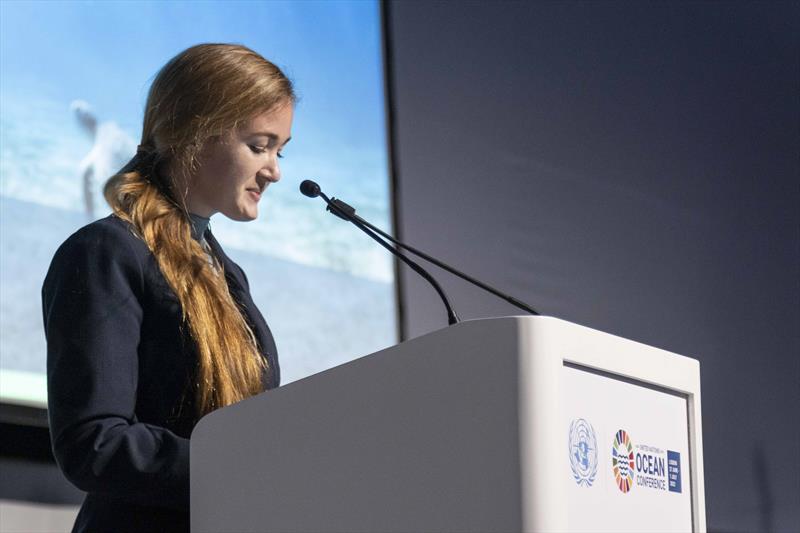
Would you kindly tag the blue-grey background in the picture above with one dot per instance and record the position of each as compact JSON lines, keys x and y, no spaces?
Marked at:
{"x":633,"y":167}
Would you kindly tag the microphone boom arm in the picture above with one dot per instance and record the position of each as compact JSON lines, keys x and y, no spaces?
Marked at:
{"x":510,"y":299}
{"x":335,"y":206}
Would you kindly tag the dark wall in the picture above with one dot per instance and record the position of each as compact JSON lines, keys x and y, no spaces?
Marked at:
{"x":629,"y":166}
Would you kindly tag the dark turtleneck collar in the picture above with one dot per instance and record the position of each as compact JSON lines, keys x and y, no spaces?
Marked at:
{"x":198,"y":226}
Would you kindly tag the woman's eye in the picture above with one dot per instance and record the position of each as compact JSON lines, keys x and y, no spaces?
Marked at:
{"x":257,"y":149}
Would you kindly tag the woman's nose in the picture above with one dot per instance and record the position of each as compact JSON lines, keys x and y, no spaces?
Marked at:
{"x":276,"y":173}
{"x":271,"y":171}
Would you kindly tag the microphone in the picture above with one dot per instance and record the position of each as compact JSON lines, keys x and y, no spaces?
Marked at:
{"x":510,"y":299}
{"x":310,"y":188}
{"x":347,"y":212}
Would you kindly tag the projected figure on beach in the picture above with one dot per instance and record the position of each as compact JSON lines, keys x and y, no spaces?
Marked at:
{"x":112,"y":149}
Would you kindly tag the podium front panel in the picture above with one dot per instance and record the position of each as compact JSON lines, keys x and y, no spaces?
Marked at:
{"x":626,"y":447}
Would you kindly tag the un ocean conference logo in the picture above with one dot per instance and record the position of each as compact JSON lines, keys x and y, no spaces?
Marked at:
{"x":582,"y":452}
{"x":622,"y":461}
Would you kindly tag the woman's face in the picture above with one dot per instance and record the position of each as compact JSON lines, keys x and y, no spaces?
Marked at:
{"x":233,"y":172}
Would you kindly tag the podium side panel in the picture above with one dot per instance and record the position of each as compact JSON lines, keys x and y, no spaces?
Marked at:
{"x":420,"y":437}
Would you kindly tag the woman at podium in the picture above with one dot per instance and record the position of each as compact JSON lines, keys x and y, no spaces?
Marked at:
{"x":149,"y":324}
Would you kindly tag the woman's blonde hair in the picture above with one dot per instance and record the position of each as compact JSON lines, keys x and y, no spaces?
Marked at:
{"x":202,"y":93}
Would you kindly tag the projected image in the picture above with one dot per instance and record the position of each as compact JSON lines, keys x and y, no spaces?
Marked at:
{"x":73,"y":83}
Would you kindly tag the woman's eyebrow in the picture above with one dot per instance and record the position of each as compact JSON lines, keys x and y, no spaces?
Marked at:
{"x":270,"y":135}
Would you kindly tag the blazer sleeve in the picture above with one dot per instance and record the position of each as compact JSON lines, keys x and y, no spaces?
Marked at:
{"x":92,"y":318}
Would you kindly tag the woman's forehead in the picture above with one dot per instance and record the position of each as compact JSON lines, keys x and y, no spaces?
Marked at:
{"x":272,"y":122}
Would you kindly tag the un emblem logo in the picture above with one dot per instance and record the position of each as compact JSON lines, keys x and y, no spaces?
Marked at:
{"x":583,"y":452}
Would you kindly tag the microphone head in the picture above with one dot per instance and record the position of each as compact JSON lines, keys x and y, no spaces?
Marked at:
{"x":310,"y":188}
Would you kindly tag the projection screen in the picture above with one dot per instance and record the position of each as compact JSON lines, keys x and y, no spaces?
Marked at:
{"x":326,"y":290}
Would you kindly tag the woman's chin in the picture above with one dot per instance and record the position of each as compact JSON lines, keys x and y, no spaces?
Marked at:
{"x":243,"y":215}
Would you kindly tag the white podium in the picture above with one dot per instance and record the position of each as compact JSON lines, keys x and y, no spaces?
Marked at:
{"x":506,"y":424}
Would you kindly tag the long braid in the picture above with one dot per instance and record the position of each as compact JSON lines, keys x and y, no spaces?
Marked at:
{"x":229,"y":366}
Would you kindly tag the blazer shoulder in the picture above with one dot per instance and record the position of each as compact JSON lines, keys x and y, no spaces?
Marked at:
{"x":108,"y":243}
{"x":106,"y":234}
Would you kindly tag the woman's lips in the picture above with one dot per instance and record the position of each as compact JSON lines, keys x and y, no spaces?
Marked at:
{"x":255,"y":193}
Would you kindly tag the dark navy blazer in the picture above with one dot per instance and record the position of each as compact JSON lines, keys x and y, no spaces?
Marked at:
{"x":120,"y":364}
